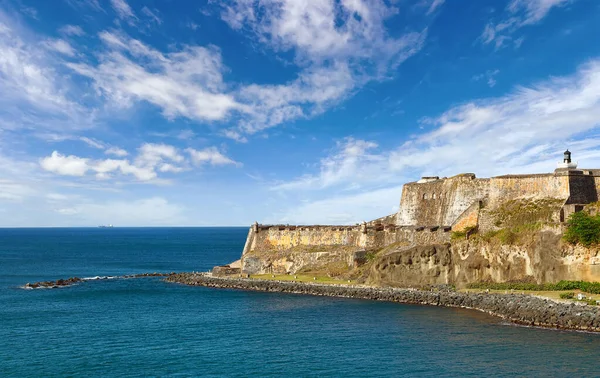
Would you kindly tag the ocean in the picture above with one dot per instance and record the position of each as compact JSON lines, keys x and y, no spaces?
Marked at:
{"x":146,"y":327}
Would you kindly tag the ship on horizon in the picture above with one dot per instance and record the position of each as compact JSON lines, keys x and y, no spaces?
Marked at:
{"x":105,"y":226}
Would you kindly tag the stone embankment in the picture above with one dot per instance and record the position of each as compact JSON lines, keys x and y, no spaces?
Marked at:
{"x":517,"y":308}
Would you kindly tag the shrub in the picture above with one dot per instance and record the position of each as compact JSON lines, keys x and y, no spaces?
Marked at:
{"x":583,"y":228}
{"x":567,"y":295}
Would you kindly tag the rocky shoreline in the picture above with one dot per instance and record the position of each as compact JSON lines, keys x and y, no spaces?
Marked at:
{"x":517,"y":308}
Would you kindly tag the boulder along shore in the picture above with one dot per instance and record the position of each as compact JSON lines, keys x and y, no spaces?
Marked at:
{"x":517,"y":308}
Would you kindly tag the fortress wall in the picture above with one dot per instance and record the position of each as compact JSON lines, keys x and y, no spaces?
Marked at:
{"x":279,"y":238}
{"x":439,"y":202}
{"x":503,"y":188}
{"x":286,"y":237}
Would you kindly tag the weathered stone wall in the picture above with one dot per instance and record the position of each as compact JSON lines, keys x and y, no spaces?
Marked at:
{"x":280,"y":237}
{"x":439,"y":202}
{"x":510,"y":187}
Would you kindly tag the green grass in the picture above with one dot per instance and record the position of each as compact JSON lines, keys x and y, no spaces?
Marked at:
{"x":584,"y":286}
{"x":302,"y":278}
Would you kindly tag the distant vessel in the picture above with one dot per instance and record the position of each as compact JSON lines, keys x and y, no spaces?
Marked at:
{"x":105,"y":226}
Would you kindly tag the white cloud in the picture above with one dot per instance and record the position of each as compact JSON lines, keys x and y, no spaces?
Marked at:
{"x":151,"y":154}
{"x":350,"y":164}
{"x":61,"y":46}
{"x":518,"y":13}
{"x":210,"y":155}
{"x":65,"y":165}
{"x":185,"y":83}
{"x":435,"y":4}
{"x":341,"y":46}
{"x":34,"y":94}
{"x":119,"y":152}
{"x":92,"y":143}
{"x":153,"y":16}
{"x":489,"y":77}
{"x":232,"y":134}
{"x":123,"y":10}
{"x":71,"y":30}
{"x":150,"y":160}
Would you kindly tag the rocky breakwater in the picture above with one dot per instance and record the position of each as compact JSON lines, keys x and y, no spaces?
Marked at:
{"x":53,"y":284}
{"x":517,"y":308}
{"x":75,"y":280}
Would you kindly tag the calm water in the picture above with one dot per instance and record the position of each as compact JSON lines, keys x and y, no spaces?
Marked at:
{"x":145,"y":327}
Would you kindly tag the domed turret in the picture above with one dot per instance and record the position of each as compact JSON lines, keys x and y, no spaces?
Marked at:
{"x":567,"y":157}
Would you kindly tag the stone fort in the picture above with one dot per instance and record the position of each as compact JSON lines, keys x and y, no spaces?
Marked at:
{"x":433,"y":207}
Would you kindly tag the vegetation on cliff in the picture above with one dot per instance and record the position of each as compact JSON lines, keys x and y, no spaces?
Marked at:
{"x":583,"y":228}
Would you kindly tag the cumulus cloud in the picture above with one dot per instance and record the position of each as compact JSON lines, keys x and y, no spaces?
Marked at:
{"x":518,"y":13}
{"x":65,"y":165}
{"x":150,"y":160}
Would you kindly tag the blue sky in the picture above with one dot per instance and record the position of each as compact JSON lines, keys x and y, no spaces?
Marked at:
{"x":193,"y":113}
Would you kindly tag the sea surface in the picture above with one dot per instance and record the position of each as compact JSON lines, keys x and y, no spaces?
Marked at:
{"x":146,"y":327}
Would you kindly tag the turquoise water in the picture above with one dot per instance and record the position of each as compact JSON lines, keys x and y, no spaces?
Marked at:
{"x":145,"y":327}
